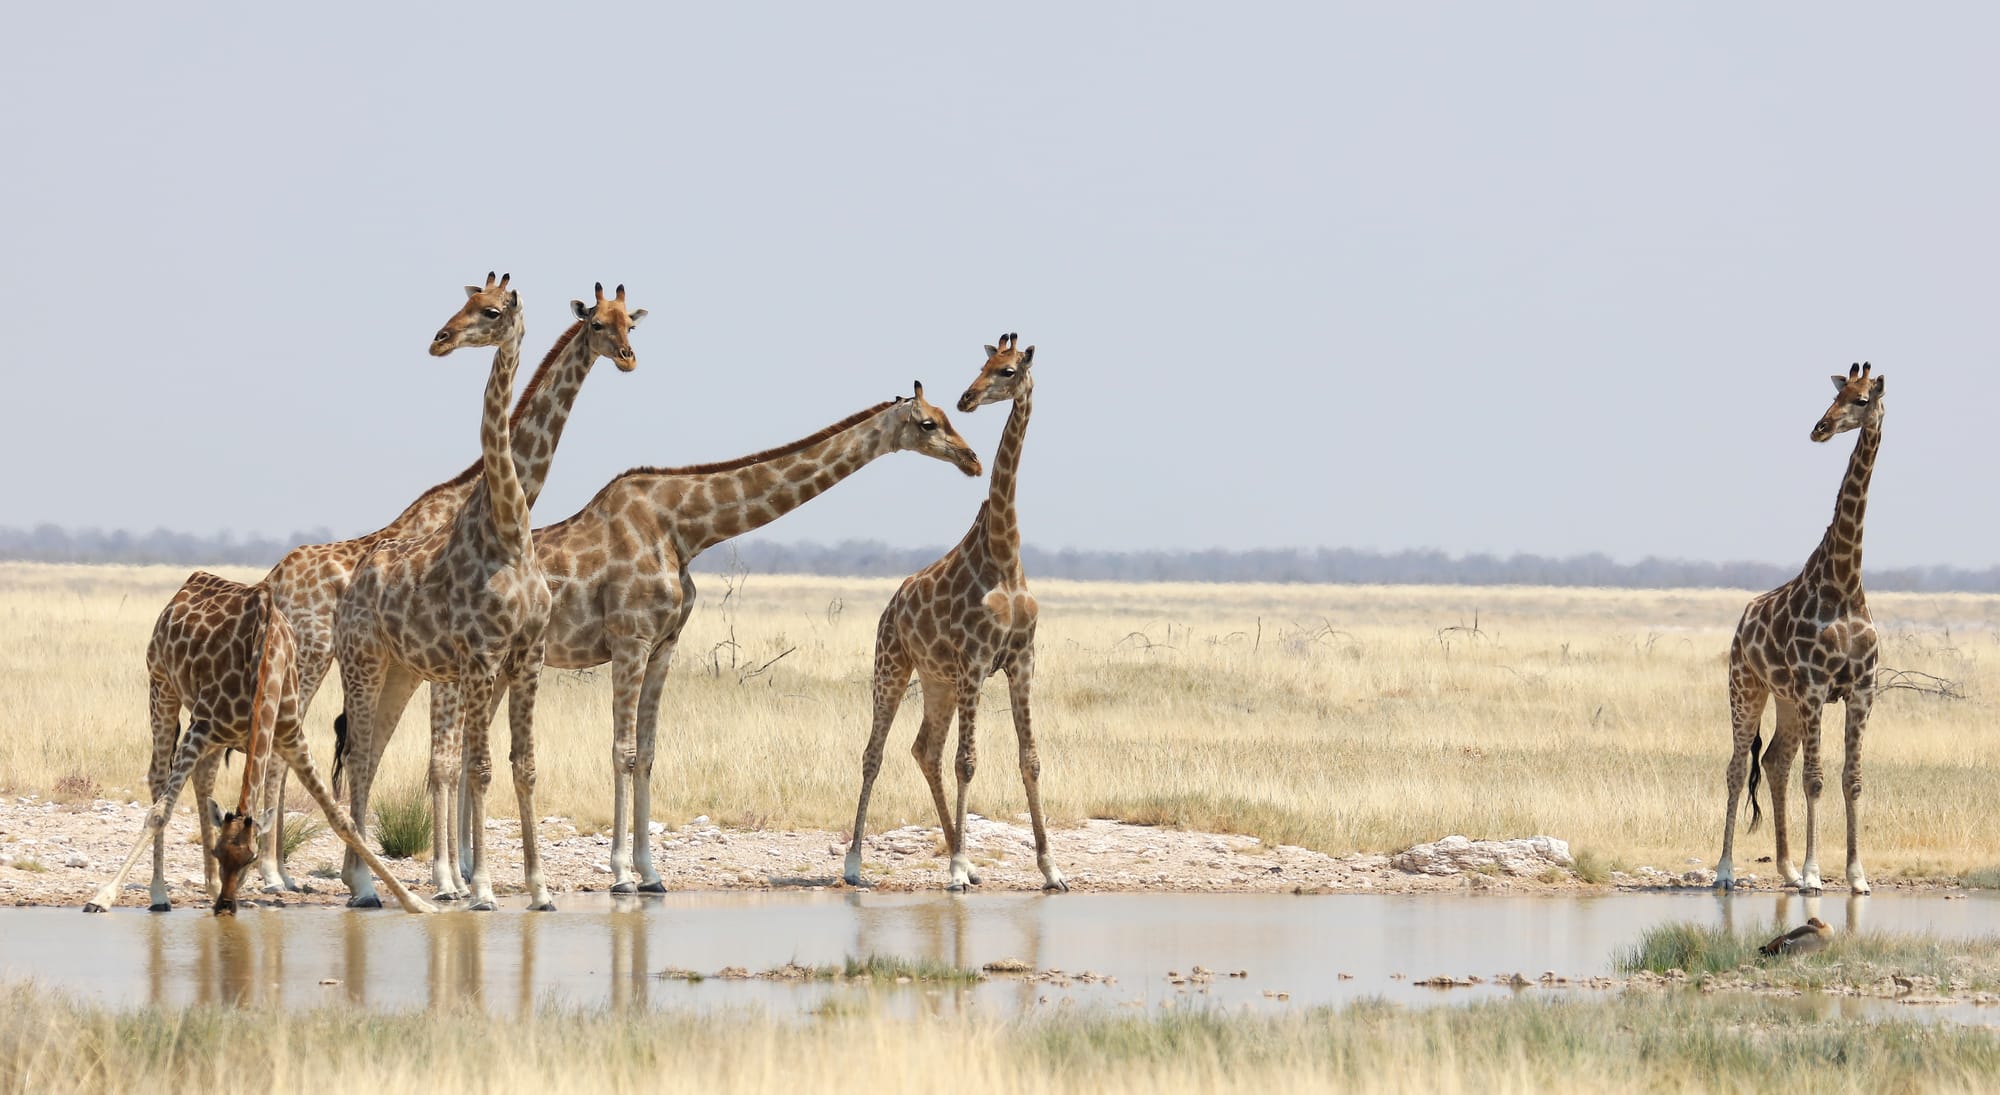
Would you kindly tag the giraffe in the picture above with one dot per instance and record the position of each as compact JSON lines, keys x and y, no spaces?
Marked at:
{"x":305,"y":586}
{"x":618,"y":571}
{"x":466,"y":606}
{"x":241,"y":626}
{"x":1805,"y":644}
{"x":957,"y":621}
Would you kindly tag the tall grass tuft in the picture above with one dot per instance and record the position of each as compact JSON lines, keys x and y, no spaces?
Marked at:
{"x":403,"y":822}
{"x":297,"y":834}
{"x":1695,"y":949}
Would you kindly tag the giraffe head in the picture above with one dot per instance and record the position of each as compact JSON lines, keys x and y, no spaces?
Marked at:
{"x":491,"y":314}
{"x":1004,"y":376}
{"x":236,"y":839}
{"x":918,"y":426}
{"x":607,"y":328}
{"x":1858,"y":403}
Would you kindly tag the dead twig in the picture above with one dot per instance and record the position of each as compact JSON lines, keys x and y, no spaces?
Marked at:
{"x":1918,"y":681}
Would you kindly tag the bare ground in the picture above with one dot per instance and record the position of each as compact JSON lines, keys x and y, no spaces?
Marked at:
{"x":54,"y":853}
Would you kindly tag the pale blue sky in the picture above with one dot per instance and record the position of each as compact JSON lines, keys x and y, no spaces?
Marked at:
{"x":1471,"y":277}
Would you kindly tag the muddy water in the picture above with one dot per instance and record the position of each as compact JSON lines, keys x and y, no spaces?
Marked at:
{"x":601,"y":951}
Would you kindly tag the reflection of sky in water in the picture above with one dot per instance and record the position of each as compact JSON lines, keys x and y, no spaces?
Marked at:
{"x":604,"y":951}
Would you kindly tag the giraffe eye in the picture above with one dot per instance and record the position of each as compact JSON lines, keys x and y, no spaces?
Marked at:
{"x":928,"y":424}
{"x":1862,"y":402}
{"x":490,"y":313}
{"x":1009,"y":371}
{"x":597,"y":326}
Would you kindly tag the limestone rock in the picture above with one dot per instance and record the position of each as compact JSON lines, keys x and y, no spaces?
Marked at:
{"x":1525,"y":856}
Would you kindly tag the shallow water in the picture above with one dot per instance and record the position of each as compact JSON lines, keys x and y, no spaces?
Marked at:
{"x":604,"y":951}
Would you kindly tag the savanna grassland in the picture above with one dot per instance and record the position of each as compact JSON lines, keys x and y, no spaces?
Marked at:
{"x":1338,"y":718}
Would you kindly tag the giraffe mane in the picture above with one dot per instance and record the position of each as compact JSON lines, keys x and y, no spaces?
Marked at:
{"x":768,"y":454}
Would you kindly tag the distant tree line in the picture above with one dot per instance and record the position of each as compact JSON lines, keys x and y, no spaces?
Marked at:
{"x":869,"y":558}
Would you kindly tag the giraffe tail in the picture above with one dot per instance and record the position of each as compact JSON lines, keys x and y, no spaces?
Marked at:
{"x":339,"y":754}
{"x":1756,"y":777}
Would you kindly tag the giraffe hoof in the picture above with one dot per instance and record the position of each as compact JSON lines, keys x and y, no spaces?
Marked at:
{"x":956,"y":887}
{"x":1058,"y":886}
{"x":482,"y":906}
{"x":653,"y":887}
{"x":624,"y":888}
{"x":369,"y":902}
{"x":974,"y":879}
{"x":448,"y":896}
{"x":546,"y":906}
{"x":161,"y":907}
{"x":94,"y":907}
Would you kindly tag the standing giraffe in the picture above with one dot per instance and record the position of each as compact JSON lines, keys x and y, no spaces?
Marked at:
{"x":1807,"y":643}
{"x":954,"y":623}
{"x":309,"y":581}
{"x":618,"y":570}
{"x":305,"y":586}
{"x":466,"y":606}
{"x":240,"y":626}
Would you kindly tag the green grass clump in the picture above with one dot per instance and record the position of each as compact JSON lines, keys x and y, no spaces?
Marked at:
{"x":297,"y":834}
{"x":1694,"y":949}
{"x":875,"y":967}
{"x":403,"y":823}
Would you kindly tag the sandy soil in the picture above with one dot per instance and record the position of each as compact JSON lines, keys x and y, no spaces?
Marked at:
{"x":54,"y":853}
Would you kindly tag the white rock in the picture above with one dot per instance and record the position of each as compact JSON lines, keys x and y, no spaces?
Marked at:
{"x":656,"y":827}
{"x":1454,"y":854}
{"x":76,"y":859}
{"x":702,"y":820}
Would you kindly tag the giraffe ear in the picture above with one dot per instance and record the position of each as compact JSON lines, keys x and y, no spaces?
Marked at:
{"x":213,"y":811}
{"x":636,"y":316}
{"x":582,"y":310}
{"x":514,"y":298}
{"x":1839,"y":383}
{"x":990,"y":350}
{"x":1028,"y":355}
{"x":1876,"y":388}
{"x":473,"y":290}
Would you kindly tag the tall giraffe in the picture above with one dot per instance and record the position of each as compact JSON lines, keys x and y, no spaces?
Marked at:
{"x":240,"y":626}
{"x":309,"y":581}
{"x":954,"y":623}
{"x":305,"y":586}
{"x":618,"y":570}
{"x":1805,"y":644}
{"x":466,"y":606}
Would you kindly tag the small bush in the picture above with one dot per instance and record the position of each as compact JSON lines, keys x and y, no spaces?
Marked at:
{"x":403,"y":823}
{"x":1593,"y":866}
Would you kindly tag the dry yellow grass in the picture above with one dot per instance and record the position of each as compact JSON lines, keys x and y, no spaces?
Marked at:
{"x":1340,"y":718}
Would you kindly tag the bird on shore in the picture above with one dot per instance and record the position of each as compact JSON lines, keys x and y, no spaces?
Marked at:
{"x":1813,"y":936}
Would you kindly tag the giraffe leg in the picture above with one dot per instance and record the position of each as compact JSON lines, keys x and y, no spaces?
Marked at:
{"x":1020,"y":677}
{"x":375,"y":693}
{"x":462,"y":817}
{"x":204,"y":793}
{"x":1746,"y":714}
{"x":479,"y":776}
{"x":166,"y":716}
{"x":192,"y":745}
{"x":441,"y":780}
{"x":1858,"y":705}
{"x":292,"y":748}
{"x":628,"y":673}
{"x":521,"y":721}
{"x":892,"y":680}
{"x":968,"y":757}
{"x":1815,"y":782}
{"x":940,"y":700}
{"x":1778,"y":758}
{"x":271,"y":842}
{"x":642,"y":774}
{"x":314,"y":652}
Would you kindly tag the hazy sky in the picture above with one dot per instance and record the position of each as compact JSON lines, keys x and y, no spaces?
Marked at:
{"x":1461,"y":276}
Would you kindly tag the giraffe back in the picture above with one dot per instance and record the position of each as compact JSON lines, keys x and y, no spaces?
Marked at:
{"x":206,"y":648}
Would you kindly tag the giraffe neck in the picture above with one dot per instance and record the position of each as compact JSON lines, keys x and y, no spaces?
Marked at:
{"x":1839,"y":554}
{"x":500,"y":487}
{"x":706,"y":505}
{"x":545,"y":406}
{"x":1003,"y":532}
